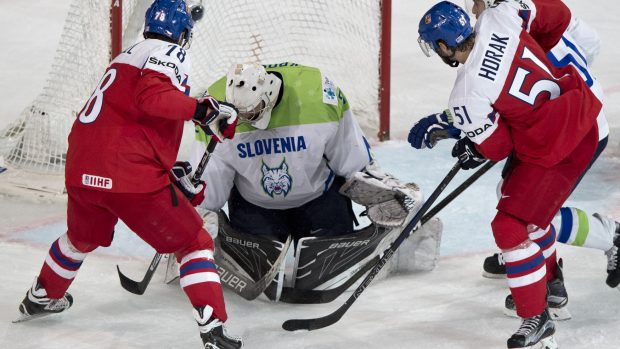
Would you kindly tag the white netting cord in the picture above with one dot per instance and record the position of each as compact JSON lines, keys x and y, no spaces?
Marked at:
{"x":37,"y":141}
{"x":340,"y":37}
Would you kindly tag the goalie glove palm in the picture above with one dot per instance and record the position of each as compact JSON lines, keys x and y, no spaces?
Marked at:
{"x":181,"y":174}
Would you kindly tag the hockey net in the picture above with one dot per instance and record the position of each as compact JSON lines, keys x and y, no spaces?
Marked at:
{"x":341,"y":37}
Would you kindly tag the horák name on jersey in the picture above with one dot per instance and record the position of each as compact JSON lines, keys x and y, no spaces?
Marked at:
{"x":493,"y":57}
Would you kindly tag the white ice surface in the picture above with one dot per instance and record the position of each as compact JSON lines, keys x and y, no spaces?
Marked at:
{"x":451,"y":307}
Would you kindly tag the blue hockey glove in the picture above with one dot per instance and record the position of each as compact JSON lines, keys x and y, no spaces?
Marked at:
{"x":469,"y":157}
{"x":431,"y":129}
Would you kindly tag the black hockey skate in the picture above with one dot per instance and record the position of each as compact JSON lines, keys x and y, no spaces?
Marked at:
{"x":494,"y":267}
{"x":557,"y":298}
{"x":36,"y":304}
{"x":212,"y":332}
{"x":535,"y":332}
{"x":613,"y":260}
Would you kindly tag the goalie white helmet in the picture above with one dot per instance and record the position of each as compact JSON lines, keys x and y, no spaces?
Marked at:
{"x":253,"y":91}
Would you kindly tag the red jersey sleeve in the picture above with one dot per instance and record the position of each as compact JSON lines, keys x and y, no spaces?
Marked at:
{"x":157,"y":96}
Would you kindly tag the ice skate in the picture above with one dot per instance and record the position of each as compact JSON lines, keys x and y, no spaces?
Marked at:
{"x":212,"y":331}
{"x":36,"y":304}
{"x":613,"y":269}
{"x":494,"y":267}
{"x":557,"y":298}
{"x":535,"y":333}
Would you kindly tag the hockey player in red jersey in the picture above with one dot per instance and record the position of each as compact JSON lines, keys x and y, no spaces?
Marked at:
{"x":566,"y":41}
{"x":509,"y":99}
{"x":122,"y":147}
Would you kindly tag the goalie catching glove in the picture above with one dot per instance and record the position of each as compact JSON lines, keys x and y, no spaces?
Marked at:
{"x":388,"y":201}
{"x":217,"y":119}
{"x":181,"y":174}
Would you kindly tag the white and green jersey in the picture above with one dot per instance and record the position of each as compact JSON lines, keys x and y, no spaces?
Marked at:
{"x":311,"y":138}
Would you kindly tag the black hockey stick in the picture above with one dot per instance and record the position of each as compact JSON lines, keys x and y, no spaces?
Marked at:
{"x":136,"y":287}
{"x":297,"y":296}
{"x":330,"y":319}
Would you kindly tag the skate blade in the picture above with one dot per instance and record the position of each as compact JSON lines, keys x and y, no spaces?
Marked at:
{"x":25,"y":317}
{"x":494,"y":276}
{"x":560,"y":314}
{"x":557,"y":314}
{"x":545,"y":343}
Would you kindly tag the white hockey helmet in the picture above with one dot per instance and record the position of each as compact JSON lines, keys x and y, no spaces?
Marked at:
{"x":253,"y":91}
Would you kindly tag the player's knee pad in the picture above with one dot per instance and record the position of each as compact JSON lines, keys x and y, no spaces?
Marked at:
{"x":202,"y":241}
{"x":508,"y":231}
{"x":77,"y":245}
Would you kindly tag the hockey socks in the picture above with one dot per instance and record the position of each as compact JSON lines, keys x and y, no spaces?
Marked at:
{"x":575,"y":227}
{"x":525,"y":269}
{"x":545,"y":239}
{"x":201,"y":282}
{"x":60,"y":268}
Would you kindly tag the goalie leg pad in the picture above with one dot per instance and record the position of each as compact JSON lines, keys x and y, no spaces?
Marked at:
{"x":420,"y":252}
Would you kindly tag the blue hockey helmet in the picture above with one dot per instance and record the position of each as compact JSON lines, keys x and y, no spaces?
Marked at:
{"x":169,"y":18}
{"x":446,"y":22}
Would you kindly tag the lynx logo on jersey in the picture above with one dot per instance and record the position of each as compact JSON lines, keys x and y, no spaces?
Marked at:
{"x":329,"y":92}
{"x":96,"y":181}
{"x":276,"y":181}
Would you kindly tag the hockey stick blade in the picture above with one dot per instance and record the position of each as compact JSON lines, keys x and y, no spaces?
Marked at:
{"x":139,"y":287}
{"x":330,"y":319}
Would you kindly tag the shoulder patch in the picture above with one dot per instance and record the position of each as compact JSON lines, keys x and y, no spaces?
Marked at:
{"x":329,"y":91}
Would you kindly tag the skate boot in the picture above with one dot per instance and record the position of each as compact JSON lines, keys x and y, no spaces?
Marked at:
{"x":535,"y":332}
{"x":36,"y":304}
{"x":212,"y":331}
{"x":494,"y":267}
{"x":613,"y":269}
{"x":557,"y":298}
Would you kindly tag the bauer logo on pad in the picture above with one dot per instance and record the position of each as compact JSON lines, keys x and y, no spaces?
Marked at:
{"x":96,"y":181}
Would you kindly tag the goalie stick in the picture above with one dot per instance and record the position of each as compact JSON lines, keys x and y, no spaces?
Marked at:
{"x":298,"y":296}
{"x":330,"y":319}
{"x":136,"y":287}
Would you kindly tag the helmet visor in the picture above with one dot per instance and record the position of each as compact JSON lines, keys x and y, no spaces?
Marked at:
{"x":425,"y":47}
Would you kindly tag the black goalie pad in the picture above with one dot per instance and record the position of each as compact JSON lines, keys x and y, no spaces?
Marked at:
{"x":324,"y":267}
{"x":239,"y":255}
{"x":326,"y":263}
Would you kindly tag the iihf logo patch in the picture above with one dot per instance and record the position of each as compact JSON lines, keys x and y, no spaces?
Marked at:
{"x":96,"y":181}
{"x":276,"y":180}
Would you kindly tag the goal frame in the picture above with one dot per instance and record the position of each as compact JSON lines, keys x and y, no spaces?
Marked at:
{"x":116,"y":33}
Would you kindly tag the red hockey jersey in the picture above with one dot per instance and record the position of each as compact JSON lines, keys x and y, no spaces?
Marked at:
{"x":127,"y":136}
{"x":508,"y":97}
{"x":545,"y":20}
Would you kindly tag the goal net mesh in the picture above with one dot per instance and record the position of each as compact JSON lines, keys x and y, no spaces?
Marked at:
{"x":341,"y":37}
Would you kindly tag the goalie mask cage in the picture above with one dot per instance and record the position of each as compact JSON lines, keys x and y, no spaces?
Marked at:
{"x":349,"y":40}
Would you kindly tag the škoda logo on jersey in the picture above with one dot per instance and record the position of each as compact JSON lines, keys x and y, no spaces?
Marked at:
{"x":96,"y":181}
